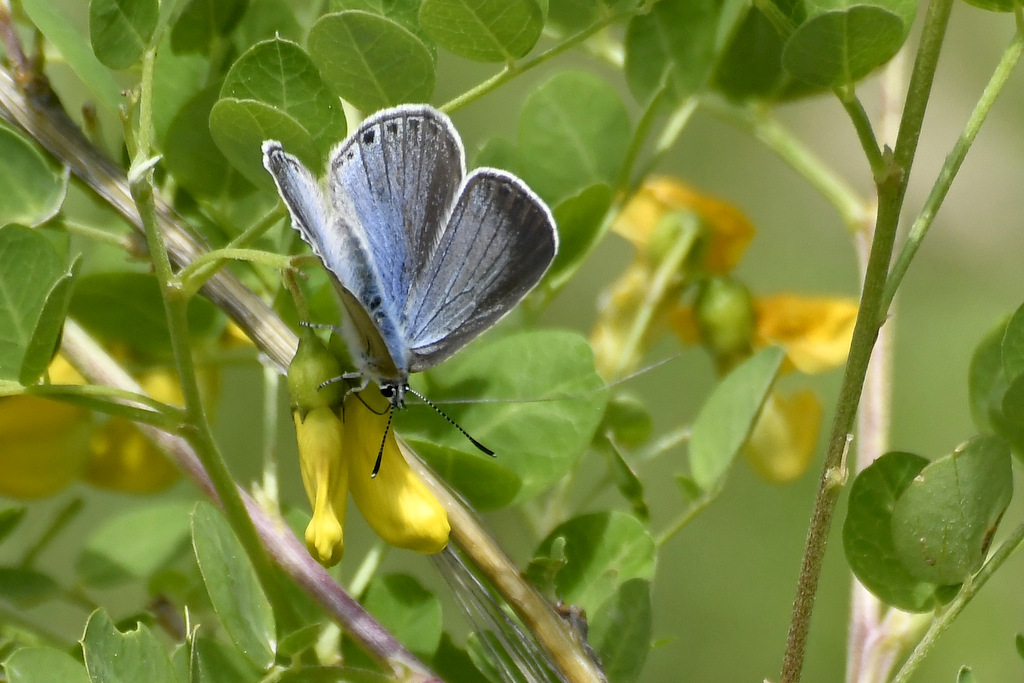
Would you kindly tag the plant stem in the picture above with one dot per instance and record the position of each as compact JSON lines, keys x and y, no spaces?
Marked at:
{"x":862,"y":124}
{"x":801,"y":159}
{"x":952,"y":164}
{"x":512,"y":70}
{"x":870,"y":316}
{"x":140,"y":183}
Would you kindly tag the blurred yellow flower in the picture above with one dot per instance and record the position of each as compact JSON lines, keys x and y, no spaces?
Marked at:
{"x":724,"y":317}
{"x":47,"y":444}
{"x":338,"y":456}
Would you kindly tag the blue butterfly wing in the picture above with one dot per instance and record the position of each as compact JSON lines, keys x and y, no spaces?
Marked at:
{"x":396,"y":177}
{"x":346,"y":255}
{"x":497,"y":243}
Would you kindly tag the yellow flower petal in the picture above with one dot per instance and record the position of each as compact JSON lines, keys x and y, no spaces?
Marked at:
{"x":730,"y":231}
{"x":325,"y":478}
{"x":122,"y":458}
{"x":815,"y":332}
{"x":395,"y":503}
{"x":782,"y":443}
{"x":43,"y":445}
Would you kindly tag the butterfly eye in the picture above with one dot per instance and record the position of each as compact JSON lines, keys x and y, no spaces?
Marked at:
{"x":387,"y":391}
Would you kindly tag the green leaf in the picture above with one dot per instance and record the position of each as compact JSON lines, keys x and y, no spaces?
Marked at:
{"x":483,"y":30}
{"x":299,"y":641}
{"x":159,"y":536}
{"x":867,"y":533}
{"x":453,"y":664}
{"x":121,"y":30}
{"x":564,"y":147}
{"x":239,"y":128}
{"x":725,"y":420}
{"x":26,"y":587}
{"x":1018,"y":641}
{"x":1013,"y":346}
{"x":572,"y":16}
{"x":541,"y":401}
{"x":44,"y":665}
{"x":10,"y":518}
{"x":34,"y":186}
{"x":194,"y":158}
{"x":203,"y":21}
{"x":269,"y":19}
{"x":29,"y":271}
{"x":994,"y":5}
{"x":580,"y":220}
{"x":965,"y":675}
{"x":407,"y":610}
{"x":112,"y":656}
{"x":620,"y":632}
{"x":627,"y":420}
{"x":59,"y":23}
{"x":219,"y":662}
{"x":604,"y":550}
{"x":279,"y":73}
{"x":672,"y":47}
{"x":499,"y":153}
{"x":986,"y":382}
{"x":629,"y":485}
{"x":944,"y":521}
{"x":234,"y":589}
{"x":46,"y":337}
{"x":485,"y":483}
{"x":176,"y":80}
{"x":750,"y":65}
{"x":839,"y":47}
{"x":126,"y":308}
{"x":371,"y":61}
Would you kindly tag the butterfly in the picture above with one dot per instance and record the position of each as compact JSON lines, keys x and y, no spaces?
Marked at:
{"x":424,"y":257}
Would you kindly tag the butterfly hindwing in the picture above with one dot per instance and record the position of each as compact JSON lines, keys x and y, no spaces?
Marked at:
{"x":499,"y":240}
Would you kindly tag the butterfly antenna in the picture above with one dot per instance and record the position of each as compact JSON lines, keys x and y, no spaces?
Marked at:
{"x":384,"y":439}
{"x":452,"y":422}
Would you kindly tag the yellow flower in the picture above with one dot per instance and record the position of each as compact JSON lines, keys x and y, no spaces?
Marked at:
{"x":338,"y":455}
{"x":724,"y":318}
{"x":122,"y":457}
{"x":783,"y":440}
{"x":44,"y":443}
{"x":325,"y":478}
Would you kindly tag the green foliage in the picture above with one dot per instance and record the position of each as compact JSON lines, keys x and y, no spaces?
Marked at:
{"x":598,"y":96}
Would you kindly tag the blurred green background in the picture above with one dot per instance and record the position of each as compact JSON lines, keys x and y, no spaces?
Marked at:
{"x":725,"y":584}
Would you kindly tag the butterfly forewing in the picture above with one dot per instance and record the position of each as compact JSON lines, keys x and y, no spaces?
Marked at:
{"x":394,"y":180}
{"x":499,"y":241}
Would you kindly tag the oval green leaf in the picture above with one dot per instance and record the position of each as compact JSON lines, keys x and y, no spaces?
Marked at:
{"x":159,"y":536}
{"x":540,"y":402}
{"x":61,"y":29}
{"x":234,"y":589}
{"x":580,"y":220}
{"x":44,"y":665}
{"x":371,"y":61}
{"x":565,"y":146}
{"x":944,"y":521}
{"x":115,"y":657}
{"x":483,"y":30}
{"x":34,"y":186}
{"x":837,"y":48}
{"x":407,"y":610}
{"x":725,"y":420}
{"x":1013,"y":346}
{"x":279,"y":73}
{"x":29,"y":271}
{"x":672,"y":47}
{"x":986,"y":382}
{"x":239,"y":128}
{"x":193,"y":157}
{"x":620,"y":632}
{"x":867,"y":533}
{"x":603,"y":551}
{"x":203,"y":21}
{"x":24,"y":587}
{"x":120,"y":30}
